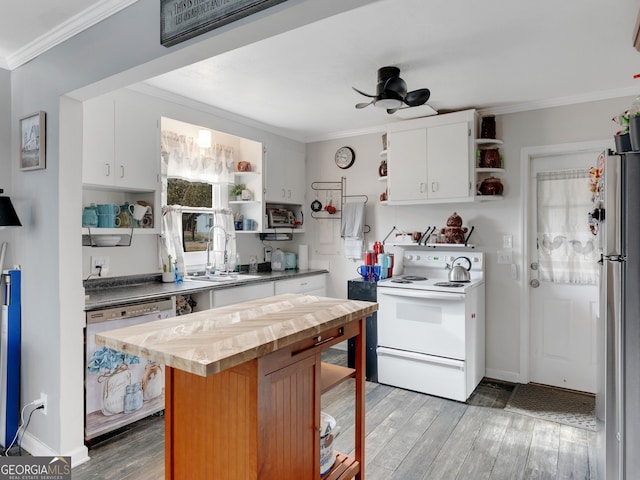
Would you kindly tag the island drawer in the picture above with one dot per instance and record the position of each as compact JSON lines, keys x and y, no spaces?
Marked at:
{"x":309,"y":346}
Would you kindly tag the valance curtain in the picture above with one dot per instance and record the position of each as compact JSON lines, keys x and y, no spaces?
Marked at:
{"x":566,"y":246}
{"x":185,"y":159}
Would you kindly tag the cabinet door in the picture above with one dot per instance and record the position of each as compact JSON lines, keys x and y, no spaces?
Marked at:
{"x":295,"y":177}
{"x":274,"y":174}
{"x":407,"y":167}
{"x":290,"y":407}
{"x":285,"y":175}
{"x":137,"y":143}
{"x":448,"y":161}
{"x":98,"y":141}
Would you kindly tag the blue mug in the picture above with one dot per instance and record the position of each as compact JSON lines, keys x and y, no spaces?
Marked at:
{"x":108,"y":209}
{"x":108,"y":220}
{"x":365,"y":271}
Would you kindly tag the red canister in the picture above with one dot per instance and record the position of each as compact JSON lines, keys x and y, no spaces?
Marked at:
{"x":369,"y":257}
{"x":377,"y":248}
{"x":391,"y":261}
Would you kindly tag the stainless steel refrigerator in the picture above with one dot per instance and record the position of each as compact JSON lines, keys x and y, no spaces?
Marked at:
{"x":616,"y":219}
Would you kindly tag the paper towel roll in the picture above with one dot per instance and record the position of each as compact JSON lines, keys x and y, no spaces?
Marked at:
{"x":303,"y":257}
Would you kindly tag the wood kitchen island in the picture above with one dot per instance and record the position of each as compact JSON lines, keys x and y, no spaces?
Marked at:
{"x":243,"y":386}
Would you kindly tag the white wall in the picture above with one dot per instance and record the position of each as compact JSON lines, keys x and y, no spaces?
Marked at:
{"x":116,"y":52}
{"x":492,"y":220}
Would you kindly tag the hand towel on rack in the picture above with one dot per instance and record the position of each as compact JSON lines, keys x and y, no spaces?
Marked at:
{"x":353,"y":218}
{"x":352,"y":228}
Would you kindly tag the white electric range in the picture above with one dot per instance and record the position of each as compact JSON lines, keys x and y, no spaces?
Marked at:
{"x":431,"y":331}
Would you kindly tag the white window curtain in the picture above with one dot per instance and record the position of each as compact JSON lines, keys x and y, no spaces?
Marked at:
{"x":171,"y":239}
{"x":184,"y":159}
{"x":566,"y":247}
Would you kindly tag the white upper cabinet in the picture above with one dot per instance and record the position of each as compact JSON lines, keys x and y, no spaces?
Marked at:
{"x":407,"y":165}
{"x":121,"y":143}
{"x":285,"y":175}
{"x":431,"y":160}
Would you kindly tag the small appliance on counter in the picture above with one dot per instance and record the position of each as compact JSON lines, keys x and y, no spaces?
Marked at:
{"x":290,"y":261}
{"x":280,"y":217}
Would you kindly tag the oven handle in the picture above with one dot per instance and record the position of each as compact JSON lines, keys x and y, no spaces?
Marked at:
{"x":401,"y":292}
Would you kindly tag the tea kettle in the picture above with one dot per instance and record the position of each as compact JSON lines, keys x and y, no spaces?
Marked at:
{"x":458,"y":273}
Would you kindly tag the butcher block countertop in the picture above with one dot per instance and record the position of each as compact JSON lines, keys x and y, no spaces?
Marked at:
{"x":208,"y":342}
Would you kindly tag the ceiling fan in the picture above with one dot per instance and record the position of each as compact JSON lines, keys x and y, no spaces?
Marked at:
{"x":391,"y":92}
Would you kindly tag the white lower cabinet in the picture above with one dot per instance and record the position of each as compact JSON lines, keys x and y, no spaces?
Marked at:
{"x":312,"y":285}
{"x":229,"y":296}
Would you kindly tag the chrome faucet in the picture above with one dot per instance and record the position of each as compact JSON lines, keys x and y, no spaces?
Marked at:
{"x":210,"y":248}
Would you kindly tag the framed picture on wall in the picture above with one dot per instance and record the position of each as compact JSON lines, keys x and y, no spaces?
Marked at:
{"x":32,"y":141}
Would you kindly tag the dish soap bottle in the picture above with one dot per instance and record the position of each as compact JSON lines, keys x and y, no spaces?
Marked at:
{"x":277,"y":260}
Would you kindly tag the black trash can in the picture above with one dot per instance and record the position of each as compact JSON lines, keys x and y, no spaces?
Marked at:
{"x":358,"y":289}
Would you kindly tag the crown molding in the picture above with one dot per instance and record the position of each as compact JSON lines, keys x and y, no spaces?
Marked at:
{"x":560,"y":101}
{"x":74,"y":25}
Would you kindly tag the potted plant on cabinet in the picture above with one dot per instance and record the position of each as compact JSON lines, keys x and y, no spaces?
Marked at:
{"x":622,"y":137}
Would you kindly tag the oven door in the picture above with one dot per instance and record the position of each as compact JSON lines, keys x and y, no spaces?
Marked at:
{"x":421,"y":321}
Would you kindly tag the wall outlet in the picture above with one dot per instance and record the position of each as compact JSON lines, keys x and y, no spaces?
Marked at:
{"x":99,"y":264}
{"x":42,"y":401}
{"x":505,"y":256}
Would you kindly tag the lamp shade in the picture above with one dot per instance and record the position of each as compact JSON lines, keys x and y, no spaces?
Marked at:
{"x":8,"y":216}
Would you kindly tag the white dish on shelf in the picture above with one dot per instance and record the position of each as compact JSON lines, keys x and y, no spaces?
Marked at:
{"x":106,"y":240}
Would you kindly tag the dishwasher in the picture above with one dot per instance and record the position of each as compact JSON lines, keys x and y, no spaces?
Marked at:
{"x":121,"y":388}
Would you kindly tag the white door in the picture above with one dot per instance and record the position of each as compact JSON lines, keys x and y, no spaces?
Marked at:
{"x":563,"y":301}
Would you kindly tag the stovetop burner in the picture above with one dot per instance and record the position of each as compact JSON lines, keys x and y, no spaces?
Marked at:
{"x":449,"y":284}
{"x":400,"y":280}
{"x":413,"y":278}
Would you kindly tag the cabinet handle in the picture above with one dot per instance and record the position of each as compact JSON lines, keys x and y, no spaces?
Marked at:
{"x":108,"y":169}
{"x":283,"y":193}
{"x":121,"y":171}
{"x":421,"y":187}
{"x":289,"y":194}
{"x":434,"y":186}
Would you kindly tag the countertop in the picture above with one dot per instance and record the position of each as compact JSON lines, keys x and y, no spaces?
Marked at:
{"x":207,"y":342}
{"x":112,"y":293}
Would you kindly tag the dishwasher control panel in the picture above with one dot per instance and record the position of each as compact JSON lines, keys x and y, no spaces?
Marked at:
{"x":128,"y":311}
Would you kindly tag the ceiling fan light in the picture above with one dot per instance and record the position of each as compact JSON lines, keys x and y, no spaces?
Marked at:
{"x":387,"y":103}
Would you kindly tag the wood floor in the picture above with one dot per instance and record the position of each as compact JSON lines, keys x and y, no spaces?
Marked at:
{"x":409,"y":436}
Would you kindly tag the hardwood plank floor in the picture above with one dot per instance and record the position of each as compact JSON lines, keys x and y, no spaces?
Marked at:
{"x":410,"y":436}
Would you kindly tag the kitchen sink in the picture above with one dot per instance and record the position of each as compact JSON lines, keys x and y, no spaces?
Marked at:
{"x":221,"y":277}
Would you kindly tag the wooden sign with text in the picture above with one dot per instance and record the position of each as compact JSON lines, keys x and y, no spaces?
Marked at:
{"x":184,"y":19}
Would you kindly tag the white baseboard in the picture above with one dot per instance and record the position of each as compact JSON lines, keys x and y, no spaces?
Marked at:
{"x":513,"y":377}
{"x":38,"y":449}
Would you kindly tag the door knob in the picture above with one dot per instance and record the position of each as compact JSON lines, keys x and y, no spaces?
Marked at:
{"x":535,"y":283}
{"x":534,"y":265}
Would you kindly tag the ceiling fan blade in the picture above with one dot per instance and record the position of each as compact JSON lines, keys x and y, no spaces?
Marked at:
{"x":362,"y":105}
{"x":396,"y":85}
{"x":417,"y":97}
{"x":362,"y":93}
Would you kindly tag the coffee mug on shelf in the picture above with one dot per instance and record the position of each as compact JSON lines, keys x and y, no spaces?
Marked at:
{"x":137,"y":211}
{"x":108,"y":208}
{"x":108,"y":220}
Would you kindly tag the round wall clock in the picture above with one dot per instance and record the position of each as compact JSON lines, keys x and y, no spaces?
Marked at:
{"x":345,"y":156}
